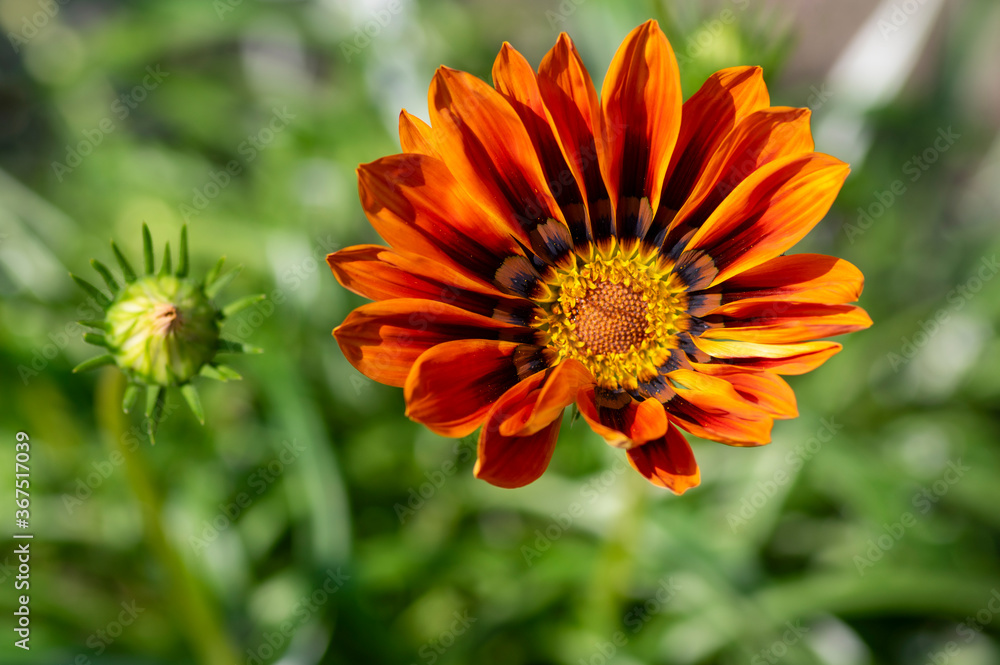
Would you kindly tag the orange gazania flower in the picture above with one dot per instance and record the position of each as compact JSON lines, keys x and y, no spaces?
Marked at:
{"x":623,"y":253}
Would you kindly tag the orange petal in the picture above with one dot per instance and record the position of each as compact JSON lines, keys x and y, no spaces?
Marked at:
{"x":710,"y":407}
{"x":484,"y":143}
{"x":414,"y":202}
{"x":780,"y":322}
{"x":383,"y":340}
{"x":571,"y":100}
{"x":706,"y":119}
{"x":452,"y":386}
{"x":560,"y":390}
{"x":788,"y":359}
{"x":515,"y":461}
{"x":415,"y":135}
{"x":380,"y":273}
{"x":796,"y":277}
{"x":667,"y":462}
{"x":641,"y":105}
{"x":767,"y":213}
{"x":759,"y":138}
{"x":764,"y":389}
{"x":514,"y":78}
{"x":623,"y":421}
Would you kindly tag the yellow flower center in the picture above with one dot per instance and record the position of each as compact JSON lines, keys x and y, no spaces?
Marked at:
{"x":616,"y":313}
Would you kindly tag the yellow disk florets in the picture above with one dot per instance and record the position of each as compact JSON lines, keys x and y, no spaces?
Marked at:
{"x":616,"y":313}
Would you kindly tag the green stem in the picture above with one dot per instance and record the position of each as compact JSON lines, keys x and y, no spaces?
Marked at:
{"x":615,"y":564}
{"x":194,"y":611}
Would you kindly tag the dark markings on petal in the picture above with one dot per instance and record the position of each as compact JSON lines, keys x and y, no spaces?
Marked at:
{"x":695,"y":326}
{"x":576,"y":219}
{"x":687,"y":345}
{"x":530,"y":359}
{"x":633,"y":219}
{"x":552,"y":239}
{"x":520,"y":314}
{"x":601,"y":220}
{"x":697,"y":269}
{"x":562,"y":183}
{"x":701,"y":303}
{"x":606,"y":398}
{"x":517,"y":276}
{"x":655,"y":386}
{"x":658,"y":228}
{"x":611,"y":407}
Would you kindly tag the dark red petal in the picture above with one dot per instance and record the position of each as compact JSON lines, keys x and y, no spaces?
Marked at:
{"x":484,"y":143}
{"x":415,"y":203}
{"x":641,"y":104}
{"x":571,"y":100}
{"x":381,"y":273}
{"x":515,"y":461}
{"x":782,"y":322}
{"x":759,"y":138}
{"x":667,"y":462}
{"x":452,"y":386}
{"x":383,"y":340}
{"x":514,"y":78}
{"x":710,"y":407}
{"x":619,"y":418}
{"x":707,"y":118}
{"x":770,"y":211}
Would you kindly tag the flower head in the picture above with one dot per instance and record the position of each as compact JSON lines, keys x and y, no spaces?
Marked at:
{"x":624,"y":253}
{"x":162,"y":329}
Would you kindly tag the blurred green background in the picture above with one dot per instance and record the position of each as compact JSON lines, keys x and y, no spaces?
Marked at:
{"x":310,"y":522}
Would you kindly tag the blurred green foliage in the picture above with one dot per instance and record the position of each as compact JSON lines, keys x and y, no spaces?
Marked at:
{"x":310,"y":518}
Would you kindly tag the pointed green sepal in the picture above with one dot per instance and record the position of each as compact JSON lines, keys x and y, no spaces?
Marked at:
{"x":241,"y":304}
{"x":94,"y":363}
{"x":99,"y":324}
{"x":221,"y":373}
{"x":95,"y":339}
{"x":152,"y":396}
{"x":155,"y":398}
{"x":213,"y":274}
{"x":102,"y":300}
{"x":167,"y":267}
{"x":227,"y":346}
{"x":182,"y":259}
{"x":147,"y":249}
{"x":123,"y":263}
{"x":228,"y":373}
{"x":194,"y":401}
{"x":131,"y":395}
{"x":213,"y":288}
{"x":106,"y":275}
